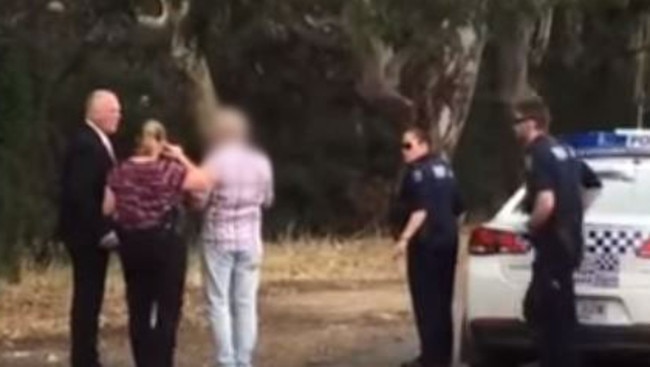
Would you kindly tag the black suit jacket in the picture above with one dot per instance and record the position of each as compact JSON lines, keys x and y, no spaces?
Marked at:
{"x":83,"y":179}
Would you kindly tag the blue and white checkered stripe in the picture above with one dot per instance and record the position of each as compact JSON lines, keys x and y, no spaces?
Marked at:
{"x":605,"y":248}
{"x":613,"y":240}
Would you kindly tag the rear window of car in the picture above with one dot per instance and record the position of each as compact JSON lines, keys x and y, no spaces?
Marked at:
{"x":625,"y":191}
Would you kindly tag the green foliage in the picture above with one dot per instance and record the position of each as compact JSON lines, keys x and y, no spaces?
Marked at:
{"x":523,"y":7}
{"x":17,"y":198}
{"x":417,"y":23}
{"x":322,"y":139}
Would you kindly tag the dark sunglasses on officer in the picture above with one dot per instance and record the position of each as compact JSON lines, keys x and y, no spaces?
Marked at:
{"x":406,"y":146}
{"x":516,"y":120}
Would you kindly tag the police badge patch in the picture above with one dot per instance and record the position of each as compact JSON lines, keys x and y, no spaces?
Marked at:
{"x":417,"y":175}
{"x":439,"y":171}
{"x":572,"y":152}
{"x":560,"y":153}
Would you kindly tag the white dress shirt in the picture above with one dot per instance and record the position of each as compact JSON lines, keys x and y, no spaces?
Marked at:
{"x":104,"y":139}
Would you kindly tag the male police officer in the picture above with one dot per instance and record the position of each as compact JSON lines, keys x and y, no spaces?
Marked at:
{"x":555,"y":201}
{"x":429,"y":238}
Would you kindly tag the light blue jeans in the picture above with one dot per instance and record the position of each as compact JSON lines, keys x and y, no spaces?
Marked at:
{"x":231,"y":281}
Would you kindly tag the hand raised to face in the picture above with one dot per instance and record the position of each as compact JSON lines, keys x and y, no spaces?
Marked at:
{"x":173,"y":151}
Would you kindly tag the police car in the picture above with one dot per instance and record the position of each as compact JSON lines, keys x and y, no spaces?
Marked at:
{"x":613,"y":283}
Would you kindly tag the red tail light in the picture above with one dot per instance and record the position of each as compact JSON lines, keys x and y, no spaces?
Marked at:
{"x":485,"y":241}
{"x":644,"y":251}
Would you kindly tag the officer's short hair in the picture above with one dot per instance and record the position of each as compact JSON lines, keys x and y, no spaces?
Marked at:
{"x":534,"y":109}
{"x":421,"y":134}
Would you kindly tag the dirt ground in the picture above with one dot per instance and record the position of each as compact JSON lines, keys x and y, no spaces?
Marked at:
{"x":323,"y":303}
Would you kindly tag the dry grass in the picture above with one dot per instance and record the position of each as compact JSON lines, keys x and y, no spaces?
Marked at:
{"x":38,"y":306}
{"x":352,"y":260}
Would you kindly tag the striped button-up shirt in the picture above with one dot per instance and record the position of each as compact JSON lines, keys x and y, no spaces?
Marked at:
{"x":145,"y":192}
{"x":233,"y":213}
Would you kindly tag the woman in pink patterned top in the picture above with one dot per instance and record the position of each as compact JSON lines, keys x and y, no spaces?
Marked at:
{"x":143,"y":195}
{"x":232,"y":238}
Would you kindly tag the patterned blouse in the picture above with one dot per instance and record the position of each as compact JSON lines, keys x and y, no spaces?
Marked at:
{"x":233,"y":216}
{"x":146,"y":191}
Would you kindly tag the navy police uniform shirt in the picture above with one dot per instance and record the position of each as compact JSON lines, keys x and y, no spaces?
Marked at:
{"x":429,"y":184}
{"x":554,"y":166}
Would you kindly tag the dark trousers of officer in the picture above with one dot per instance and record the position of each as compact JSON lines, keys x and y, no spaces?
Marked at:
{"x":431,"y":274}
{"x":89,"y":264}
{"x":551,"y":313}
{"x":154,"y":265}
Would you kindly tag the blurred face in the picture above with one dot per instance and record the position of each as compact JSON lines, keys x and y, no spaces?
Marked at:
{"x":413,"y":148}
{"x":230,"y":126}
{"x":524,"y":128}
{"x":106,"y":112}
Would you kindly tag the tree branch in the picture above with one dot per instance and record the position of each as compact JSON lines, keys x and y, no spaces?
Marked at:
{"x":157,"y":22}
{"x":542,"y":37}
{"x":380,"y":80}
{"x":315,"y":36}
{"x":327,"y":24}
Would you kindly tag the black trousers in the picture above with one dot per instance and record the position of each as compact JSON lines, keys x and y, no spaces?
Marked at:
{"x":89,"y":265}
{"x":431,"y":274}
{"x":154,"y":265}
{"x":550,"y":310}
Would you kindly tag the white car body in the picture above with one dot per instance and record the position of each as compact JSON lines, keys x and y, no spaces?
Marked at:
{"x":612,"y":286}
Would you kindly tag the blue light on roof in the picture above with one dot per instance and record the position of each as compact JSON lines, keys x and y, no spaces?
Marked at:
{"x":610,"y":143}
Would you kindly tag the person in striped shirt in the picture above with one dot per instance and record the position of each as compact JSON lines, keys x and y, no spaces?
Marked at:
{"x":232,"y":237}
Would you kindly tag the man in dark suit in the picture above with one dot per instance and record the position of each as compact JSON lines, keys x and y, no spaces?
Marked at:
{"x":82,"y":224}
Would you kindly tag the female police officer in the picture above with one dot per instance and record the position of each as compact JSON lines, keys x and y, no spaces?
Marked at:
{"x":430,"y":204}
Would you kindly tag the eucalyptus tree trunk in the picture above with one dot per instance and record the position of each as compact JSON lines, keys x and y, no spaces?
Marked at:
{"x":439,"y":97}
{"x":447,"y":99}
{"x":189,"y":57}
{"x":640,"y":39}
{"x":521,"y":44}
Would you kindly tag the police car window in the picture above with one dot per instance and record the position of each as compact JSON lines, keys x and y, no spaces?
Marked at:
{"x":624,"y":193}
{"x":615,"y":175}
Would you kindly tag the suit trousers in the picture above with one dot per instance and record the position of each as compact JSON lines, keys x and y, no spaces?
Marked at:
{"x":89,"y":265}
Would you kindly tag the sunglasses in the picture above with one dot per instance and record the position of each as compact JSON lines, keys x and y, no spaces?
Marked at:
{"x":519,"y":120}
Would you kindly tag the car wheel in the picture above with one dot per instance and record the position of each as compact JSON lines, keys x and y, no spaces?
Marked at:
{"x":473,"y":355}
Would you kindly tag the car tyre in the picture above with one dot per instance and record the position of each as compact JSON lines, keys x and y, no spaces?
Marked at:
{"x":474,"y":356}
